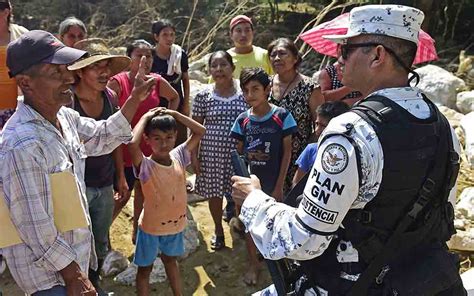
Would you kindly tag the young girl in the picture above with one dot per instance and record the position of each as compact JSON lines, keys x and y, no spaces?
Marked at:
{"x":171,"y":62}
{"x":163,"y":180}
{"x":217,"y":108}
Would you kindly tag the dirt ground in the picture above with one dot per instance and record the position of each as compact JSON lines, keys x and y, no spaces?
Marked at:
{"x":204,"y":272}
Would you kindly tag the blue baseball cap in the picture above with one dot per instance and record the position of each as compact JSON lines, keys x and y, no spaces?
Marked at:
{"x":36,"y":47}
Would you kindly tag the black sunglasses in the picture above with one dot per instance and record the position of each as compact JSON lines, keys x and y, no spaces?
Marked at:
{"x":346,"y":48}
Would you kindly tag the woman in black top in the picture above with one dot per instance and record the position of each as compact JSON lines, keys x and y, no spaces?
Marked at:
{"x":171,"y":62}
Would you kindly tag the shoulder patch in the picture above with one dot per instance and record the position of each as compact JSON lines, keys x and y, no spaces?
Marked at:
{"x":334,"y":159}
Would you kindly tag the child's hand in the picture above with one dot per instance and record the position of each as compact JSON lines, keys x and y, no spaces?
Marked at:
{"x":153,"y":112}
{"x":277,"y":194}
{"x":164,"y":110}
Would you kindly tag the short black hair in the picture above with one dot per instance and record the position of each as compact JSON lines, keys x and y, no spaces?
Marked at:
{"x":405,"y":50}
{"x":289,"y":45}
{"x":137,"y":44}
{"x":254,"y":74}
{"x":332,"y":109}
{"x":162,"y":122}
{"x":224,"y":53}
{"x":159,"y":25}
{"x":5,"y":4}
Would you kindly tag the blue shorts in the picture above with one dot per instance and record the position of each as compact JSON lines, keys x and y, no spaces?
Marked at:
{"x":149,"y":246}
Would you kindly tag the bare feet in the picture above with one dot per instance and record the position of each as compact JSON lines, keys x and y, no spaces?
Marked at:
{"x":251,"y":276}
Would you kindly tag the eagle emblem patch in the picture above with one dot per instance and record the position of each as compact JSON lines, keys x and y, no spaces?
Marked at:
{"x":334,"y":159}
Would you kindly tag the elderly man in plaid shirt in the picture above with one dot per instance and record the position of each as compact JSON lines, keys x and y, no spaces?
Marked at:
{"x":43,"y":138}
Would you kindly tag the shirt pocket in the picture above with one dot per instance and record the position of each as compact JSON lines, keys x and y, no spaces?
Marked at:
{"x":79,"y":151}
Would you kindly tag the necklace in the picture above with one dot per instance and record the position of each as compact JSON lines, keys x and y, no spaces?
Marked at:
{"x":288,"y":86}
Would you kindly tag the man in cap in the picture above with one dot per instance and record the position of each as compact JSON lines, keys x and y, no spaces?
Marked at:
{"x":43,"y":138}
{"x":244,"y":53}
{"x":374,"y":213}
{"x":93,"y":99}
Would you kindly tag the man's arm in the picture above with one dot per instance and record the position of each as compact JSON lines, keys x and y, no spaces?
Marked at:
{"x":186,"y":92}
{"x":122,"y":186}
{"x":168,"y":92}
{"x":297,"y":177}
{"x":328,"y":93}
{"x":315,"y":101}
{"x":27,"y":193}
{"x":305,"y":232}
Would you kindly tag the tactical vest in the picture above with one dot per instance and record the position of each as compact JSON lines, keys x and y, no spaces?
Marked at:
{"x":416,"y":152}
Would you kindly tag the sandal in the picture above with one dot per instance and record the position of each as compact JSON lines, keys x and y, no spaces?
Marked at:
{"x":217,"y":242}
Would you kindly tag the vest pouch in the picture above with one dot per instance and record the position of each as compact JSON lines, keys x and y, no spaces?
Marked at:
{"x":429,"y":272}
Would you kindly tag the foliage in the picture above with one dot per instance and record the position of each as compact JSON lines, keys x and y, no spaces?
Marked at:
{"x":206,"y":27}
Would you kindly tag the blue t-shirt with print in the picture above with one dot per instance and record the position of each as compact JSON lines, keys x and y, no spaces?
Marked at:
{"x":263,"y":142}
{"x":307,"y":158}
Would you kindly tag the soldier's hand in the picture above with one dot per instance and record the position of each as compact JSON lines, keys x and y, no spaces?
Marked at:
{"x":143,"y":84}
{"x":241,"y":187}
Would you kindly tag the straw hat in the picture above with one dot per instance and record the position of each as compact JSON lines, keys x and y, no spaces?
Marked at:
{"x":98,"y":51}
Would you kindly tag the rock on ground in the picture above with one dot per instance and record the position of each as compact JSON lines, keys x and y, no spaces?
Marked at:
{"x":462,"y":241}
{"x":196,"y":87}
{"x":465,"y":101}
{"x":468,"y":281}
{"x":440,"y":85}
{"x":467,"y":125}
{"x":191,"y":238}
{"x":465,"y":206}
{"x":453,"y":116}
{"x":128,"y":276}
{"x":114,"y":263}
{"x":198,"y":69}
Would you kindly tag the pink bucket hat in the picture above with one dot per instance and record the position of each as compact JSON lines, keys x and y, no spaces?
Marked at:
{"x":240,"y":19}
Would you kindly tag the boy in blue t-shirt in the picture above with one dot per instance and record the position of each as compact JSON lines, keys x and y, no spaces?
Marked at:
{"x":324,"y":114}
{"x":263,"y":135}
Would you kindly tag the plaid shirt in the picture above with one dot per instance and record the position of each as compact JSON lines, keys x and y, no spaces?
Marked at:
{"x":31,"y":148}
